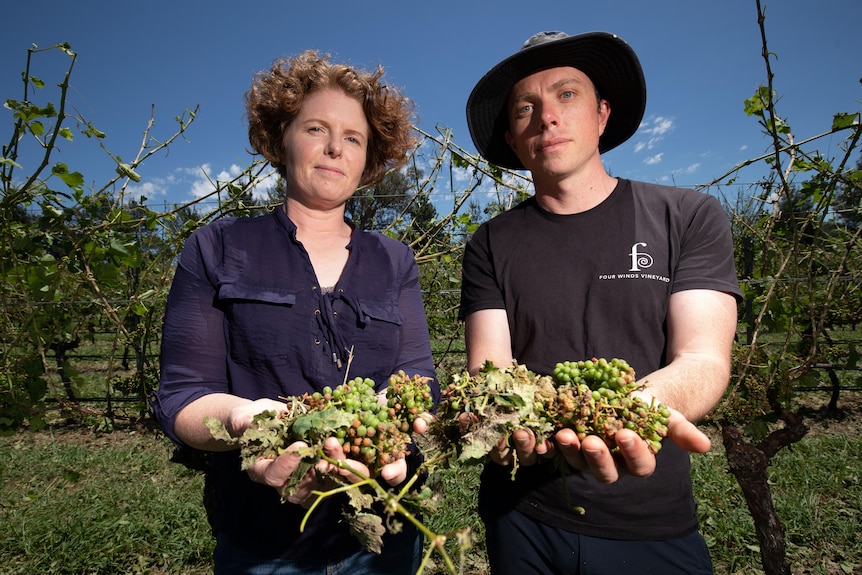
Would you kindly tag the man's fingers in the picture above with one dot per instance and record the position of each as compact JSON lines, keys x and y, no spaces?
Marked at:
{"x":569,"y":446}
{"x":599,"y":460}
{"x":634,"y":451}
{"x":502,"y":453}
{"x":394,"y":473}
{"x":686,"y":434}
{"x":524,"y":443}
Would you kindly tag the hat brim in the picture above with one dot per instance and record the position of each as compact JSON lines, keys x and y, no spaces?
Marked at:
{"x":605,"y":58}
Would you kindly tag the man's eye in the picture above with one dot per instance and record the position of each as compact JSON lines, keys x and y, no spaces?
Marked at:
{"x":524,"y":110}
{"x":567,"y":94}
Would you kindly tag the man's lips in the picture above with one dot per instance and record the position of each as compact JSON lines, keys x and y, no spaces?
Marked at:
{"x":546,"y":145}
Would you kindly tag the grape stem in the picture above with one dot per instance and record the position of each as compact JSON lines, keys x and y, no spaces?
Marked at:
{"x":393,"y":505}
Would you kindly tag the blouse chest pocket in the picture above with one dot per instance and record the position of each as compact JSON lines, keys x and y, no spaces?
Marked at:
{"x":260,"y":323}
{"x":386,"y":312}
{"x":377,"y":341}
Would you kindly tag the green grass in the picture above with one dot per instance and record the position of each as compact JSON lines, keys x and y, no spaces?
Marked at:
{"x":86,"y":504}
{"x":76,"y":502}
{"x":817,"y":490}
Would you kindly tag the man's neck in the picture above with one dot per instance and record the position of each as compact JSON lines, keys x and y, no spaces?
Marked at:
{"x":574,"y":194}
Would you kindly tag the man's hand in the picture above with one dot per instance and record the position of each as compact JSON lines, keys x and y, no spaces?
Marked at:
{"x":592,"y":454}
{"x":521,"y":444}
{"x":634,"y":457}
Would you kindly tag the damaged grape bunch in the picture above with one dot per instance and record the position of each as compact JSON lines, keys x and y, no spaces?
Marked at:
{"x":372,"y":428}
{"x":592,"y":397}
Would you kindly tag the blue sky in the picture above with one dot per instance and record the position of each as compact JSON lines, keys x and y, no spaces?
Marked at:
{"x":701,"y":61}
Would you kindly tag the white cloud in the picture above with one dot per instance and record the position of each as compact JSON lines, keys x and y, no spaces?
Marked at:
{"x":205,"y":180}
{"x":653,"y":129}
{"x":149,"y":188}
{"x":653,"y":160}
{"x":660,"y":126}
{"x":691,"y":169}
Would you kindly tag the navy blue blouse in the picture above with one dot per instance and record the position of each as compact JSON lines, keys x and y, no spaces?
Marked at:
{"x":246,"y":316}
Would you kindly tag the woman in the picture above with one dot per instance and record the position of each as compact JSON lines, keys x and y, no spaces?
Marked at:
{"x":290,"y":302}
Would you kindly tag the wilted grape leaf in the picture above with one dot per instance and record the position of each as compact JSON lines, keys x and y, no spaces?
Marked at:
{"x":369,"y":529}
{"x":479,"y":442}
{"x":321,"y":422}
{"x":358,"y":499}
{"x":218,"y":430}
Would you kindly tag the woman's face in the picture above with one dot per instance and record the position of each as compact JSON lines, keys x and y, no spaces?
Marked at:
{"x":325,"y":149}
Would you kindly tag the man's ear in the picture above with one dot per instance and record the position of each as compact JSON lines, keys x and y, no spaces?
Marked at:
{"x":511,"y":142}
{"x":604,"y":114}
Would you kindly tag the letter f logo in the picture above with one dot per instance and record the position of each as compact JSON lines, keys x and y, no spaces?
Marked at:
{"x":640,"y":259}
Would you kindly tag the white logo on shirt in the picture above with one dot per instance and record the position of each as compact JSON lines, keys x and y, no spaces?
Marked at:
{"x":640,"y":260}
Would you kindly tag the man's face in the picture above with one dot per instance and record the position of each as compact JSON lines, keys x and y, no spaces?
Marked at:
{"x":555,"y":121}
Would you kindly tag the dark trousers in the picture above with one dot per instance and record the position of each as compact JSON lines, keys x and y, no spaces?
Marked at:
{"x":517,"y":545}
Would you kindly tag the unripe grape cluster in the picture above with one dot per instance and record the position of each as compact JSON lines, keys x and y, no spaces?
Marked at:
{"x":379,"y":430}
{"x":373,"y":428}
{"x":595,"y":397}
{"x":592,"y":397}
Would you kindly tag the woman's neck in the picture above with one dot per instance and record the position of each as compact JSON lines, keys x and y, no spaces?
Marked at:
{"x":316,"y":222}
{"x":325,"y":236}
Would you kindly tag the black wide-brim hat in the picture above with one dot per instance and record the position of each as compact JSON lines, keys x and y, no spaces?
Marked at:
{"x":605,"y":58}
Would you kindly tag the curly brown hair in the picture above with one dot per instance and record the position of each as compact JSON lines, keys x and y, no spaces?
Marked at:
{"x":276,"y":96}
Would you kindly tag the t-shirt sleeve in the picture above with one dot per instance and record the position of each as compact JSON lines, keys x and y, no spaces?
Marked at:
{"x":479,"y":286}
{"x":706,"y":251}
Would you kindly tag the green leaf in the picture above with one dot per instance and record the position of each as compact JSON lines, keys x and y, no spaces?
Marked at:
{"x":844,"y":120}
{"x":72,"y":179}
{"x":321,"y":422}
{"x":219,"y":431}
{"x":93,"y":132}
{"x":10,"y":162}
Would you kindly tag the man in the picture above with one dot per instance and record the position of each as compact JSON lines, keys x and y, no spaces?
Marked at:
{"x":594,"y":266}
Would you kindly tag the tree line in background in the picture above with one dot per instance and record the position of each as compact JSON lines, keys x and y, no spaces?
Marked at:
{"x":81,"y":263}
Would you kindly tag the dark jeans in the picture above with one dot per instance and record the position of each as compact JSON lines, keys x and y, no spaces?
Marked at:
{"x":517,"y":545}
{"x":401,"y":556}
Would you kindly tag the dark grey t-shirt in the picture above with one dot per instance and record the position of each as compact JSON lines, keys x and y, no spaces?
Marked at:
{"x":598,"y":284}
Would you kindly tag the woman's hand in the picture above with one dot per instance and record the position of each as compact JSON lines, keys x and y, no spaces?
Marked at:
{"x":239,"y":418}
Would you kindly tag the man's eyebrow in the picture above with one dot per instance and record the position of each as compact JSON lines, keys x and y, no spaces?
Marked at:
{"x":555,"y":86}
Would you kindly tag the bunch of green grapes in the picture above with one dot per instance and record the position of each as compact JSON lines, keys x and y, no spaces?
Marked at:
{"x":595,"y":397}
{"x":379,"y":430}
{"x":373,"y":428}
{"x":407,"y":398}
{"x":592,"y":397}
